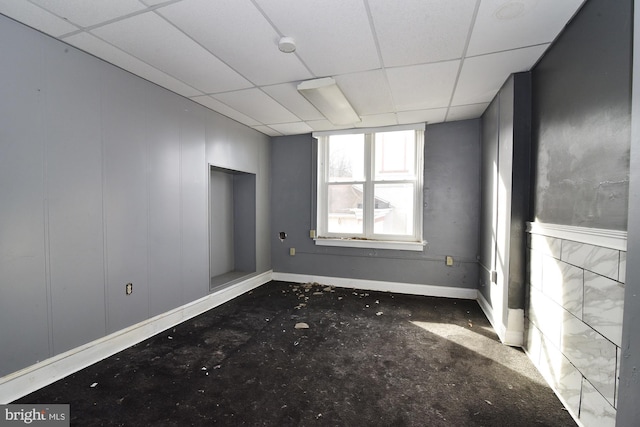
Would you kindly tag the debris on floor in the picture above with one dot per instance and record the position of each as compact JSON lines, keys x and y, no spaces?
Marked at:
{"x":350,"y":369}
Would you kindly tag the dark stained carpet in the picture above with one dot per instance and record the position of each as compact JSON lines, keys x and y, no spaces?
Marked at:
{"x":367,"y":359}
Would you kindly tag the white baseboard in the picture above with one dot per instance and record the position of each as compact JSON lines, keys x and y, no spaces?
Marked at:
{"x":34,"y":377}
{"x":488,"y":311}
{"x":376,"y":285}
{"x":511,"y":334}
{"x":514,"y":335}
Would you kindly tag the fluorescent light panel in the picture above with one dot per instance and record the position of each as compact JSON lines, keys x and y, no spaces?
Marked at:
{"x":327,"y":97}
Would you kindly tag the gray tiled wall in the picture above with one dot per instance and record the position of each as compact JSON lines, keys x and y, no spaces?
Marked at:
{"x":574,"y":323}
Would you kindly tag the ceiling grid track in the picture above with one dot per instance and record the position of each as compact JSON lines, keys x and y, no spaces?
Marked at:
{"x":397,"y":63}
{"x":464,"y":54}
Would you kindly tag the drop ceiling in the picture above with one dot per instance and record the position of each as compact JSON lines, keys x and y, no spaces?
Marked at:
{"x":398,"y":62}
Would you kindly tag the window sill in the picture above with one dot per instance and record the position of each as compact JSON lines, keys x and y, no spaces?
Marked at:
{"x":373,"y":244}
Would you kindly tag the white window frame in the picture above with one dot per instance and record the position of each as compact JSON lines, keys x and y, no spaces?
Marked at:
{"x":369,"y":239}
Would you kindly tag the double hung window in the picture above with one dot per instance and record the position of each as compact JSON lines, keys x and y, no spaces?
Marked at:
{"x":370,"y":188}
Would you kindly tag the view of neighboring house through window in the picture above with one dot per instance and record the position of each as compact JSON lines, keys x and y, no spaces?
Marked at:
{"x":370,"y":185}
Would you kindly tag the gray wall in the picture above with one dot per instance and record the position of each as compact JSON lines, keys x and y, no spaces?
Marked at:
{"x":451,"y":199}
{"x":103,"y":181}
{"x":506,"y":179}
{"x":244,"y":222}
{"x":489,"y":202}
{"x":581,"y":120}
{"x":233,"y":146}
{"x":232,"y":200}
{"x":222,"y":256}
{"x":581,"y":123}
{"x":629,"y":387}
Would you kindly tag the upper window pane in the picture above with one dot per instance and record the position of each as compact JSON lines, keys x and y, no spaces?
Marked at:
{"x":395,"y":155}
{"x":346,"y":158}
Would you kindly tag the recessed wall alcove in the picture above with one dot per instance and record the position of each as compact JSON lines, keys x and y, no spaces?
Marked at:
{"x":232,"y":226}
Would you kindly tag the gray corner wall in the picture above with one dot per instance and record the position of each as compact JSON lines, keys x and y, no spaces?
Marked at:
{"x":628,"y":412}
{"x":581,"y":137}
{"x":451,"y":205}
{"x":581,"y":120}
{"x":506,"y":179}
{"x":103,"y":182}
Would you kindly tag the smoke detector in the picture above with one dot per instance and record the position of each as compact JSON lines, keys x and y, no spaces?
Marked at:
{"x":287,"y":45}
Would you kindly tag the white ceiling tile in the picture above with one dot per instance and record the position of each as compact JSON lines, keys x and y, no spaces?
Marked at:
{"x":36,"y":17}
{"x":421,"y":30}
{"x":421,"y":87}
{"x":435,"y":115}
{"x":465,"y":112}
{"x":90,"y":12}
{"x":375,"y":120}
{"x":368,"y":92}
{"x":287,"y":94}
{"x":333,"y":36}
{"x":292,"y":128}
{"x":405,"y":73}
{"x":225,"y":110}
{"x":509,"y":24}
{"x":482,"y":76}
{"x":156,"y":2}
{"x":267,"y":130}
{"x":215,"y":25}
{"x":156,"y":42}
{"x":322,"y":125}
{"x":258,"y":105}
{"x":111,"y":54}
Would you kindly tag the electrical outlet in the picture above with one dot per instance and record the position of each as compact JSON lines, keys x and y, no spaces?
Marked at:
{"x":292,"y":251}
{"x":128,"y":288}
{"x":312,"y":234}
{"x":449,"y":260}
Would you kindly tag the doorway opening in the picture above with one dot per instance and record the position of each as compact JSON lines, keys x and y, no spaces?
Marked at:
{"x":232,"y":226}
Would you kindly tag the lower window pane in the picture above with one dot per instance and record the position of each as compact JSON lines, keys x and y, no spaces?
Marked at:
{"x":393,"y":210}
{"x":345,"y":208}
